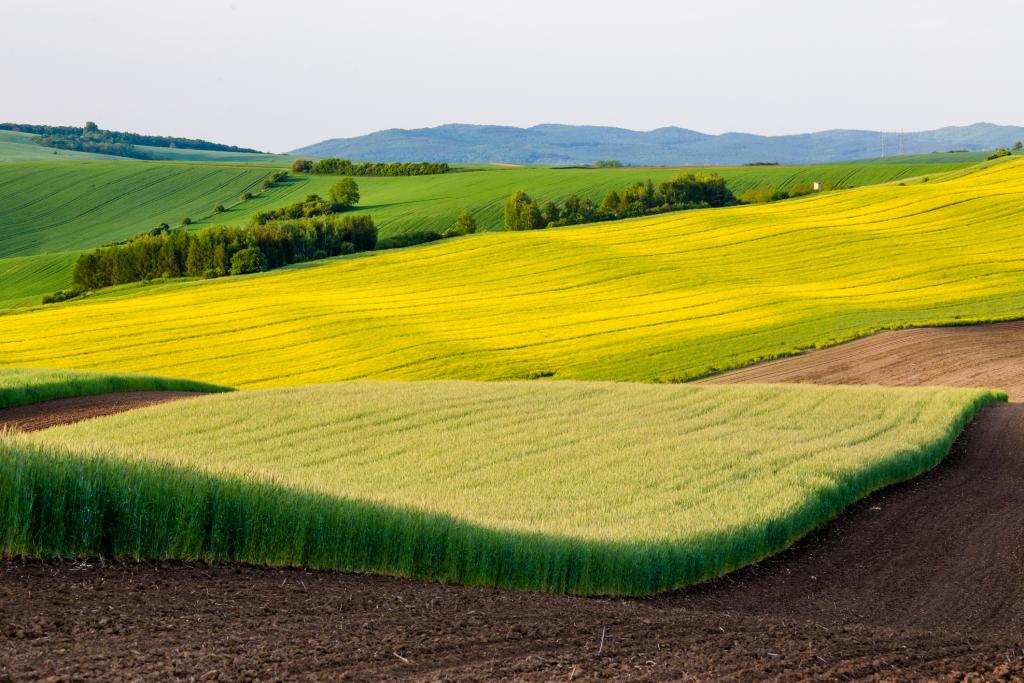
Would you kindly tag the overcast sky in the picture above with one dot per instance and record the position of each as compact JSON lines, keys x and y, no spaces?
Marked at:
{"x":278,"y":75}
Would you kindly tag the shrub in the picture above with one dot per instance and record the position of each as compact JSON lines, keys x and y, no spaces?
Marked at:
{"x":218,"y":208}
{"x":302,"y":165}
{"x":465,"y":224}
{"x":409,"y":239}
{"x":1018,"y":146}
{"x":1003,"y":152}
{"x":246,"y":196}
{"x":248,"y":260}
{"x":186,"y":221}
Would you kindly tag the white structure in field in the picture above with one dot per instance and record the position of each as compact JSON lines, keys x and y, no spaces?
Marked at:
{"x":817,"y":186}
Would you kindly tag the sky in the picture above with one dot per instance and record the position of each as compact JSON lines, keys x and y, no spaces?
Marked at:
{"x":280,"y":75}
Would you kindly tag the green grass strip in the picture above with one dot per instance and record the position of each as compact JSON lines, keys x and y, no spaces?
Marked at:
{"x":21,"y":386}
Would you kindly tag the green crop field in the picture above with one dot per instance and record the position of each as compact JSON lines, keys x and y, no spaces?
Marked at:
{"x":595,"y":488}
{"x":48,"y":207}
{"x":25,"y":280}
{"x":666,"y":298}
{"x":20,"y":386}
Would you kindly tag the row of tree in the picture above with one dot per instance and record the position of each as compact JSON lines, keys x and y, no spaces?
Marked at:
{"x":346,"y":167}
{"x":689,"y":191}
{"x":343,"y":195}
{"x":91,"y":131}
{"x":217,"y":251}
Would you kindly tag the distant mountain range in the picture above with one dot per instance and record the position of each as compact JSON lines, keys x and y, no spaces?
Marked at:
{"x":573,"y":145}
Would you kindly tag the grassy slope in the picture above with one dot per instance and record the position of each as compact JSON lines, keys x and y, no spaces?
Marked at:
{"x":15,"y":146}
{"x":19,"y":386}
{"x":665,"y":298}
{"x":24,"y":280}
{"x":47,"y":207}
{"x":579,"y":487}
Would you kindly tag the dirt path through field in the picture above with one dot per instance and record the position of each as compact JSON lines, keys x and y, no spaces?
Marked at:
{"x":922,"y":581}
{"x":66,"y":410}
{"x":969,"y":356}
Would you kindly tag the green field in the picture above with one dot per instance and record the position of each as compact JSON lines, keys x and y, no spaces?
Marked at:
{"x":666,"y":298}
{"x":15,"y":146}
{"x":21,"y":386}
{"x":571,"y":487}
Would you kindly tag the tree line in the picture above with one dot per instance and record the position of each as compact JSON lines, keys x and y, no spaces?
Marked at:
{"x":689,"y":191}
{"x":346,"y":167}
{"x":342,"y":196}
{"x":90,"y":131}
{"x":217,"y":251}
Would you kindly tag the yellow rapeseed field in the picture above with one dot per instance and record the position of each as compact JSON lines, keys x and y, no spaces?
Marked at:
{"x":665,"y":298}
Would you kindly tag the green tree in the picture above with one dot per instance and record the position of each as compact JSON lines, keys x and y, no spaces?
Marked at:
{"x":1018,"y":146}
{"x":90,"y":127}
{"x":465,"y":224}
{"x":345,"y":192}
{"x":302,"y":165}
{"x":521,"y":213}
{"x":218,"y":208}
{"x":551,"y":213}
{"x":248,"y":260}
{"x":611,"y":203}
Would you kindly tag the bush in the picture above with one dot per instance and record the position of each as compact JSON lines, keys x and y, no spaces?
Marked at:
{"x":409,"y":239}
{"x":186,"y":221}
{"x":302,"y":165}
{"x":998,"y":154}
{"x":246,"y":196}
{"x":63,"y":295}
{"x":218,"y":208}
{"x":465,"y":224}
{"x":248,"y":260}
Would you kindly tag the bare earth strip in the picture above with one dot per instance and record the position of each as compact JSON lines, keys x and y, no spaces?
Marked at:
{"x":969,"y":356}
{"x":45,"y":414}
{"x":924,"y":580}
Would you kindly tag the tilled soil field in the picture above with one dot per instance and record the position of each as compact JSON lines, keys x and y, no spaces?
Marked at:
{"x":922,"y":581}
{"x":66,"y":410}
{"x":968,"y":356}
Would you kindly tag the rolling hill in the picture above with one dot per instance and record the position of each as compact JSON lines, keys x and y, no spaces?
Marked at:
{"x":560,"y":144}
{"x":50,"y":211}
{"x":666,"y":298}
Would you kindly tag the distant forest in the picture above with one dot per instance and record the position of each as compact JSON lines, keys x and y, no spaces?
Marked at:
{"x":92,"y":138}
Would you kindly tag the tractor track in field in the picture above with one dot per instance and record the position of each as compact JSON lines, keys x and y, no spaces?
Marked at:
{"x":921,"y":581}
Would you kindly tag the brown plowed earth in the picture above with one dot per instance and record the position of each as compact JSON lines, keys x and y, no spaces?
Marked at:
{"x":921,"y":581}
{"x":967,"y":356}
{"x":59,"y":411}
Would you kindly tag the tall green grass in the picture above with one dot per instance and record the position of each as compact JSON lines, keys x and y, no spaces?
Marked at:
{"x":584,"y":488}
{"x":21,"y":386}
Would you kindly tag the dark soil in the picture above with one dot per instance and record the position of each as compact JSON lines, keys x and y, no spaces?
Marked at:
{"x":66,"y":410}
{"x":923,"y":581}
{"x":968,"y":356}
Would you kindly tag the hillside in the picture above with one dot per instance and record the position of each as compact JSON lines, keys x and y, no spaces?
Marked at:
{"x":49,"y":210}
{"x":559,"y":144}
{"x":666,"y":298}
